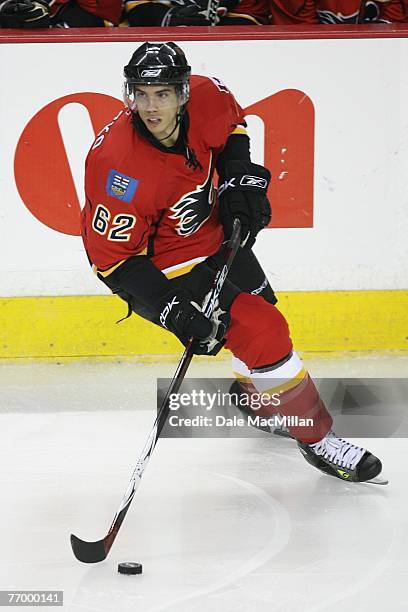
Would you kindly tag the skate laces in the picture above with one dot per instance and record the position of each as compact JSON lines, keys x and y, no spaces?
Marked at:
{"x":338,"y":451}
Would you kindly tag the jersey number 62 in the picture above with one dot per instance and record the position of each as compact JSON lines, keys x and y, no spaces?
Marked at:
{"x":118,"y":228}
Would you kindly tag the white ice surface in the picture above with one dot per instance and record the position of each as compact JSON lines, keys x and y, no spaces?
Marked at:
{"x":218,"y":524}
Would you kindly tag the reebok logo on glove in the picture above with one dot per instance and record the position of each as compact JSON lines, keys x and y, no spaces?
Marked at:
{"x":253,"y":181}
{"x":166,"y":310}
{"x":225,"y":185}
{"x":246,"y":181}
{"x":243,"y":195}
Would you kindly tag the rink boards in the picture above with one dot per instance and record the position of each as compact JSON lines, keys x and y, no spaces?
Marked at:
{"x":328,"y":116}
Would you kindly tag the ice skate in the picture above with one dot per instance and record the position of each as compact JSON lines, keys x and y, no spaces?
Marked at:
{"x":338,"y":457}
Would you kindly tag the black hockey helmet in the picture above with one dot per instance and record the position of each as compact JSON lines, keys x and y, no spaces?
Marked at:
{"x":157,"y":64}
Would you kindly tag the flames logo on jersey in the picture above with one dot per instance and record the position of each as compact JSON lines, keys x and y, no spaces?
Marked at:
{"x":371,"y":14}
{"x":194,"y":207}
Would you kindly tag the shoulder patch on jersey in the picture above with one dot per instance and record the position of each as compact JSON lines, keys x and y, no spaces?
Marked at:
{"x":121,"y":186}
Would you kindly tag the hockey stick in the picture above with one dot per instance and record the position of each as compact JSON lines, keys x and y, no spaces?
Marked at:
{"x":93,"y":552}
{"x":211,"y":11}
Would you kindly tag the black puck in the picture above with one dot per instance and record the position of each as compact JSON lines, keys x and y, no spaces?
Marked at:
{"x":130,"y":568}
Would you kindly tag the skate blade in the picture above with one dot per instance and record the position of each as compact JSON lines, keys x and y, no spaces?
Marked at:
{"x":378,"y":480}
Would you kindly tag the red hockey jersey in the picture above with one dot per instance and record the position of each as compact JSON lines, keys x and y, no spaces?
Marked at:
{"x":256,"y":9}
{"x":139,"y":196}
{"x":110,"y":10}
{"x":287,"y":12}
{"x":370,"y":11}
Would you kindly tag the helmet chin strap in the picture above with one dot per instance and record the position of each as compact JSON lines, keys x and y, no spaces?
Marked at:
{"x":178,"y":120}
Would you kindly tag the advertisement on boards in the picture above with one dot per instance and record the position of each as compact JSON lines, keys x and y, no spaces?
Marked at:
{"x":337,"y":199}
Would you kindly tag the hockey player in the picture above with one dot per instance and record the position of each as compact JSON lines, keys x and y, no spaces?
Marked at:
{"x":337,"y":11}
{"x":60,"y":13}
{"x":292,"y":12}
{"x":362,"y":11}
{"x":153,"y":223}
{"x":194,"y":12}
{"x":85,"y":13}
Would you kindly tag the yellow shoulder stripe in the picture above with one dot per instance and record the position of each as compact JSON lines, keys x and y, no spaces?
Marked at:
{"x":180,"y":271}
{"x":131,"y":5}
{"x":106,"y":273}
{"x":240,"y":130}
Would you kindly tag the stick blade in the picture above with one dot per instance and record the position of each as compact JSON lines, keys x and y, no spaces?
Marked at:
{"x":88,"y":552}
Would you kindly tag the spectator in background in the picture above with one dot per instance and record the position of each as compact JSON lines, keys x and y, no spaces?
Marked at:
{"x":365,"y":11}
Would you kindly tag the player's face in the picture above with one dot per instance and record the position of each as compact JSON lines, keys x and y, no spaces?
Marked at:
{"x":157,"y":106}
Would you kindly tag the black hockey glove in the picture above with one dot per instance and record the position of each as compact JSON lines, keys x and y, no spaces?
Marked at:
{"x":242,"y":193}
{"x":184,"y":318}
{"x":187,"y":12}
{"x":24,"y":14}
